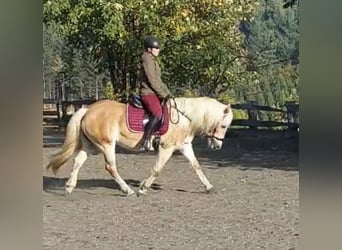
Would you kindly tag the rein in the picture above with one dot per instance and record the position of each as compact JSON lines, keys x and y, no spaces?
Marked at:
{"x":178,"y":111}
{"x":182,"y":113}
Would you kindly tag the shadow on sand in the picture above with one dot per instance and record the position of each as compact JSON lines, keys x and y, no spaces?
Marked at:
{"x":245,"y":149}
{"x":53,"y":183}
{"x":251,"y":150}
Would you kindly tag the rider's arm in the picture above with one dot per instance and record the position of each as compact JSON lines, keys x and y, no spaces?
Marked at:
{"x":153,"y":76}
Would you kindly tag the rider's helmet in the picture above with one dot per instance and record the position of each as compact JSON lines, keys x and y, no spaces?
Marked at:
{"x":151,"y":42}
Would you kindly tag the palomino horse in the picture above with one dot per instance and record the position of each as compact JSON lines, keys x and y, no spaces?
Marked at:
{"x":102,"y":125}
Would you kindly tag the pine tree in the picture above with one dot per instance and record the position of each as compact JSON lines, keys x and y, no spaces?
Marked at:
{"x":53,"y":64}
{"x":273,"y":49}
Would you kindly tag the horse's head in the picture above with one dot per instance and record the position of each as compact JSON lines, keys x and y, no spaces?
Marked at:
{"x":216,"y":136}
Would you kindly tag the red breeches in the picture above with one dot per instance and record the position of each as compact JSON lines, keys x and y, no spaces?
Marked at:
{"x":152,"y":104}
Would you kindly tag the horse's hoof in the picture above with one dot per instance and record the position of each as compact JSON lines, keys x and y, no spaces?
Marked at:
{"x":129,"y":192}
{"x":209,"y":189}
{"x":141,"y":192}
{"x":68,"y":190}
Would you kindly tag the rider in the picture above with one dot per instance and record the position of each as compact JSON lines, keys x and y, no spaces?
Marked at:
{"x":152,"y":89}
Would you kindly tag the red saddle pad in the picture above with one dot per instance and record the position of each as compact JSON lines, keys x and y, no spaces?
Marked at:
{"x":135,"y":117}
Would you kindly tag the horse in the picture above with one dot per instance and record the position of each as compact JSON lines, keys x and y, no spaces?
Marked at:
{"x":99,"y":127}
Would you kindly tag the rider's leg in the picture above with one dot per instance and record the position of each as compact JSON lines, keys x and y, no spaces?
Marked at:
{"x":153,"y":106}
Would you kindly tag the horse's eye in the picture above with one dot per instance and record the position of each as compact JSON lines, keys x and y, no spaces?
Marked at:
{"x":223,"y":126}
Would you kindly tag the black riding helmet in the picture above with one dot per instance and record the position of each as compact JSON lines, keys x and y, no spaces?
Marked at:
{"x":151,"y":42}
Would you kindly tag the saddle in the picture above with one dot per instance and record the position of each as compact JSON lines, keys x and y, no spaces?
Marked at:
{"x":138,"y":117}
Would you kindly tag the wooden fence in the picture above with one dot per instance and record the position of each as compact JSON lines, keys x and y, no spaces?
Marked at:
{"x":51,"y":114}
{"x":58,"y":114}
{"x":291,"y":114}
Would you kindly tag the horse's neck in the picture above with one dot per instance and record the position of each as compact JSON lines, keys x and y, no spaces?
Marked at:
{"x":195,"y":107}
{"x":197,"y":111}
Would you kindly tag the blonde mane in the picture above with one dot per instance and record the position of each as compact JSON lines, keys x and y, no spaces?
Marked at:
{"x":204,"y":113}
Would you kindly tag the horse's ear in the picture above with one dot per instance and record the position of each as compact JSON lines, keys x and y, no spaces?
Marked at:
{"x":226,"y":110}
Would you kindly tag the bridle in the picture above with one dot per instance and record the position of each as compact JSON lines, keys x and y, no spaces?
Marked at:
{"x":182,"y":113}
{"x":215,"y":137}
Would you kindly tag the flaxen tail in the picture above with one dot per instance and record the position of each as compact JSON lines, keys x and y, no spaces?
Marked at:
{"x":72,"y":143}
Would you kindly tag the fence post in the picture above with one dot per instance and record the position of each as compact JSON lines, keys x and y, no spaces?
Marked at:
{"x":292,"y":115}
{"x":252,"y":114}
{"x":59,"y":116}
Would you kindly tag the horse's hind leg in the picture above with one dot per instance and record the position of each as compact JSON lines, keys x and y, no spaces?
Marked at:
{"x":163,"y":156}
{"x":188,"y":152}
{"x":110,"y":165}
{"x":80,"y":158}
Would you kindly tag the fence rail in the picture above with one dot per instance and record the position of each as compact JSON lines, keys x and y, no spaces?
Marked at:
{"x":290,"y":111}
{"x":58,"y":114}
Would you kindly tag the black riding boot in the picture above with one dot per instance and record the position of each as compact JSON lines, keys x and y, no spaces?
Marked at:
{"x":150,"y":127}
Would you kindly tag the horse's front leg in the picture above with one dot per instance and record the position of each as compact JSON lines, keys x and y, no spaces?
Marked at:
{"x":163,"y":156}
{"x":188,"y":152}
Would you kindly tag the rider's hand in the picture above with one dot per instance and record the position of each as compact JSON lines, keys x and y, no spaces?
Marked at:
{"x":168,"y":97}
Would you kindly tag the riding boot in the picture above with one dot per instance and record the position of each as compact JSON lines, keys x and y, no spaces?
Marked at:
{"x":150,"y":127}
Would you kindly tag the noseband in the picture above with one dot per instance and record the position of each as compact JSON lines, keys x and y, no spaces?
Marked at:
{"x":215,"y":137}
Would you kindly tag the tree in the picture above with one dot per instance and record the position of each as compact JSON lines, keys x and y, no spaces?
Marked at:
{"x":70,"y":73}
{"x":202,"y":46}
{"x":53,"y":65}
{"x":273,"y":49}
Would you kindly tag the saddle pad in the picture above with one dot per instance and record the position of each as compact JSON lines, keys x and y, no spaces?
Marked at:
{"x":135,"y":117}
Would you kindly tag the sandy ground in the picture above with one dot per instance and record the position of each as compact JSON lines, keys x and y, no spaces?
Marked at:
{"x":255,"y":204}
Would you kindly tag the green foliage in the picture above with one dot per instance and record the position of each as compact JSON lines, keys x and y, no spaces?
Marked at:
{"x":240,"y":114}
{"x":236,"y":51}
{"x":273,"y":48}
{"x":202,"y":46}
{"x":108,"y":91}
{"x":73,"y":70}
{"x":53,"y":63}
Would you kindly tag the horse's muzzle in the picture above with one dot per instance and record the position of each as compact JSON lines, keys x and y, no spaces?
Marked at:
{"x":215,"y":146}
